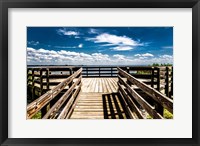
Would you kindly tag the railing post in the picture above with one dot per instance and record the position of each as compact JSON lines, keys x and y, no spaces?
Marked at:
{"x":159,"y":108}
{"x":87,"y":71}
{"x":71,"y":72}
{"x":41,"y":82}
{"x":167,"y":82}
{"x":171,"y":91}
{"x":158,"y":78}
{"x":33,"y":84}
{"x":47,"y":78}
{"x":44,"y":109}
{"x":152,"y":77}
{"x":111,"y":71}
{"x":99,"y":71}
{"x":127,"y":69}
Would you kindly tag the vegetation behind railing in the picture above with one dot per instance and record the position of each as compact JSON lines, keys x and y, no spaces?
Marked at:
{"x":42,"y":79}
{"x":45,"y":99}
{"x":138,"y":96}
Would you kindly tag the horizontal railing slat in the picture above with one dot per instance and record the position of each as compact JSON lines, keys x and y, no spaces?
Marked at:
{"x":43,"y":100}
{"x":151,"y":110}
{"x":60,"y":102}
{"x":156,"y":95}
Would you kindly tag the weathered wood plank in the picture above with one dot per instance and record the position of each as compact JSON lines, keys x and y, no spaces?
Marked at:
{"x":141,"y":101}
{"x":61,"y":101}
{"x":159,"y":97}
{"x":131,"y":104}
{"x":66,"y":109}
{"x":43,"y":100}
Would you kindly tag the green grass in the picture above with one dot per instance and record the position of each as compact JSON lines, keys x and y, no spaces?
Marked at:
{"x":37,"y":115}
{"x":167,"y":114}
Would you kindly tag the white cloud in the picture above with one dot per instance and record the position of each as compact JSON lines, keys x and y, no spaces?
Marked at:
{"x":93,"y":31}
{"x":166,"y":56}
{"x":114,"y":40}
{"x":119,"y":56}
{"x":147,"y":55}
{"x":167,"y":47}
{"x":34,"y":43}
{"x":69,"y":47}
{"x":62,"y":57}
{"x":144,"y":55}
{"x":137,"y":55}
{"x":122,"y":48}
{"x":80,"y":45}
{"x":120,"y":43}
{"x":67,"y":32}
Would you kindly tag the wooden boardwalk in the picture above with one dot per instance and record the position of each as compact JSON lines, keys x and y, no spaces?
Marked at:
{"x":98,"y":99}
{"x":99,"y":93}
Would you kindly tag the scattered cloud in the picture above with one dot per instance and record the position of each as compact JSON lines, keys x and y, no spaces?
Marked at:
{"x":121,"y":43}
{"x":144,"y":55}
{"x":64,"y":31}
{"x":62,"y":57}
{"x":119,"y":56}
{"x":80,"y":45}
{"x":167,"y":47}
{"x":34,"y":43}
{"x":93,"y":31}
{"x":166,"y":56}
{"x":122,"y":48}
{"x":69,"y":47}
{"x":114,"y":40}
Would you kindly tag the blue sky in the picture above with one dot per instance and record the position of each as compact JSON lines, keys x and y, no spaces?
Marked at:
{"x":99,"y":45}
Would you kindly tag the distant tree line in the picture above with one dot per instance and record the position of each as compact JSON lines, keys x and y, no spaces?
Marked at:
{"x":162,"y":64}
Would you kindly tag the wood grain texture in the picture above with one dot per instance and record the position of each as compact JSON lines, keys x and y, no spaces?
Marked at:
{"x":99,"y":99}
{"x":99,"y":85}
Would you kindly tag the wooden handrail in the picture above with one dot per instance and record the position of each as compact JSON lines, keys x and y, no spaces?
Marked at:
{"x":52,"y":112}
{"x":150,"y":109}
{"x":69,"y":106}
{"x":156,"y":95}
{"x":43,"y":100}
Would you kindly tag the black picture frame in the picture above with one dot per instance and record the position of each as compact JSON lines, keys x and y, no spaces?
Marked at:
{"x":6,"y":4}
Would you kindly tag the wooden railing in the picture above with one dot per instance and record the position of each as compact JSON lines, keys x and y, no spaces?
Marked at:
{"x":140,"y":96}
{"x":73,"y":85}
{"x":103,"y":71}
{"x":42,"y":79}
{"x":149,"y":75}
{"x":166,"y":80}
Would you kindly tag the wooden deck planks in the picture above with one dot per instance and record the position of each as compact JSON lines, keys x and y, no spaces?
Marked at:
{"x":99,"y":99}
{"x":99,"y":85}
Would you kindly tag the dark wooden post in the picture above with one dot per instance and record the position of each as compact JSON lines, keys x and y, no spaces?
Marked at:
{"x":127,"y":69}
{"x":71,"y":72}
{"x":99,"y":71}
{"x":152,"y":77}
{"x":167,"y":82}
{"x":111,"y":71}
{"x":159,"y":108}
{"x":44,"y":109}
{"x":41,"y":82}
{"x":158,"y":79}
{"x":47,"y":78}
{"x":27,"y":76}
{"x":171,"y":92}
{"x":33,"y":84}
{"x":87,"y":71}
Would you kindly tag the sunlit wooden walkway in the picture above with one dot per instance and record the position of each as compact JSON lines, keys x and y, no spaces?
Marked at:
{"x":98,"y":99}
{"x":99,"y":93}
